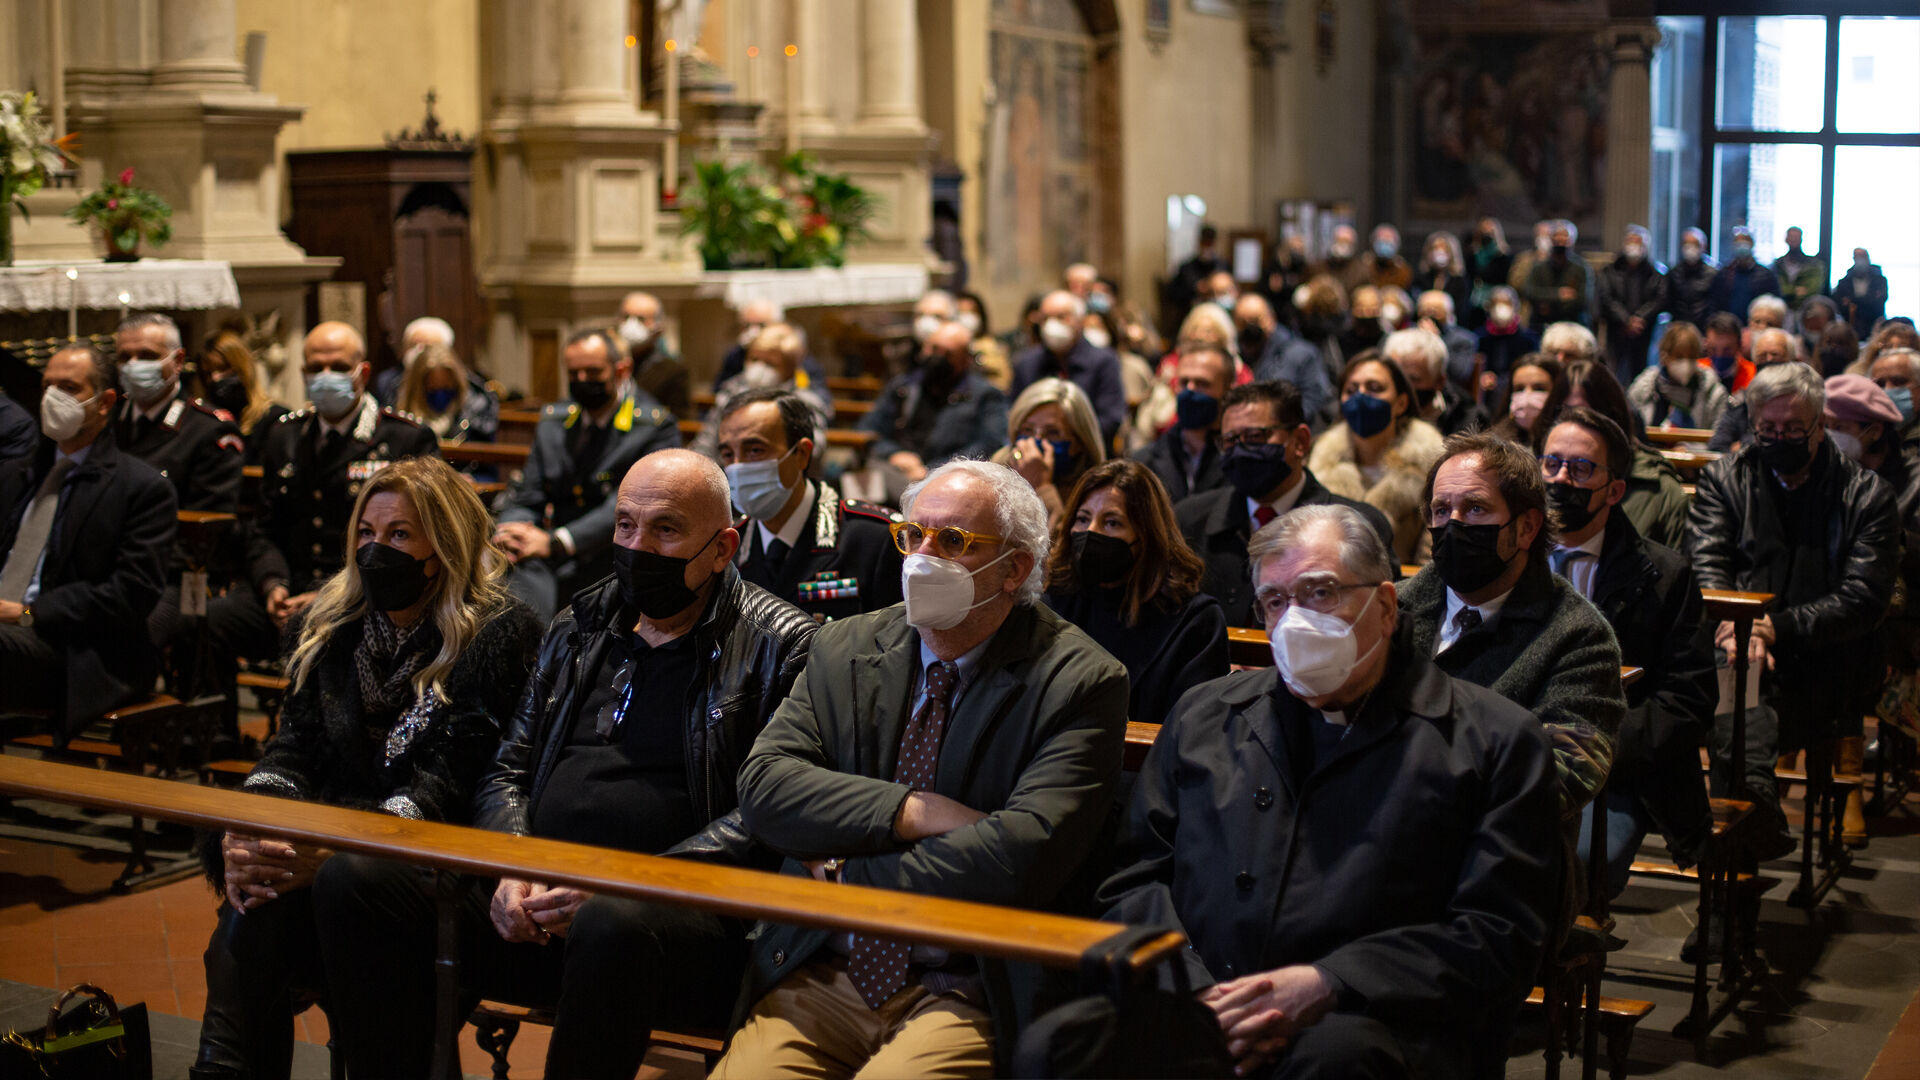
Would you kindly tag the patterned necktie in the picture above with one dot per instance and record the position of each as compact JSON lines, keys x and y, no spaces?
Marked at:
{"x":1467,"y":620}
{"x":31,"y":541}
{"x":878,"y":966}
{"x":1563,"y":558}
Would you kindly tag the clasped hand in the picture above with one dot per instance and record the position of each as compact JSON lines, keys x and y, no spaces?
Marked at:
{"x":1260,"y":1013}
{"x":534,"y":912}
{"x":259,"y":870}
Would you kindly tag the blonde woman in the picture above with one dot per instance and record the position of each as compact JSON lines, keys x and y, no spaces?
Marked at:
{"x":400,"y":670}
{"x":434,"y":389}
{"x":230,"y":380}
{"x":1056,"y":439}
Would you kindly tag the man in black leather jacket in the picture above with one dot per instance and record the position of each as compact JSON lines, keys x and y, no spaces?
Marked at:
{"x":649,"y":691}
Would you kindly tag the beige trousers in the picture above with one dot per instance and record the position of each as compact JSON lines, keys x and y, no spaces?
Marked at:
{"x":815,"y":1025}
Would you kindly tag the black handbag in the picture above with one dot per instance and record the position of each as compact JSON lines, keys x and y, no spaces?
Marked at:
{"x":95,"y":1040}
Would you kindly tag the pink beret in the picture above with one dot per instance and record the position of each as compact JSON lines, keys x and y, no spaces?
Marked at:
{"x":1856,"y":398}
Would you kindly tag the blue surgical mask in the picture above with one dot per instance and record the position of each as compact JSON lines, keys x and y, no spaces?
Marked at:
{"x":333,"y":393}
{"x":1902,"y":400}
{"x":143,"y":380}
{"x":1366,"y":415}
{"x":1385,"y":249}
{"x":440,"y":400}
{"x":1742,"y":251}
{"x":1099,"y":303}
{"x":1195,"y":409}
{"x":1064,"y":460}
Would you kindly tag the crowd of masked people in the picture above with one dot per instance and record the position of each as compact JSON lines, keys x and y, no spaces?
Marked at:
{"x":1430,"y":485}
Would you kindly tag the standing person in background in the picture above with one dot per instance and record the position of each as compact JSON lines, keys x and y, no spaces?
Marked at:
{"x":1521,"y":268}
{"x":1560,"y":287}
{"x":1862,"y":294}
{"x":1801,"y":276}
{"x":1489,"y":263}
{"x":1690,"y":281}
{"x":1286,"y":271}
{"x":1633,"y":293}
{"x":1742,"y":278}
{"x":1205,"y":262}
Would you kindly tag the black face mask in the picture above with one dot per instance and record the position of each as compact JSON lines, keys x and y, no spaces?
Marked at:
{"x":1572,"y":506}
{"x":1100,"y":559}
{"x":1785,"y":456}
{"x":1467,"y":557}
{"x":1257,"y":469}
{"x":655,"y":585}
{"x":392,"y":579}
{"x":589,"y":394}
{"x":1253,"y":344}
{"x":229,"y":393}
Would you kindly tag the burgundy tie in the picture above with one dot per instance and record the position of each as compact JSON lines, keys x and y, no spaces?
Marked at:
{"x":1263,"y":515}
{"x":878,"y":966}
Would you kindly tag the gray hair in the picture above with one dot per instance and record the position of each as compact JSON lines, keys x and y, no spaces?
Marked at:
{"x":1773,"y":331}
{"x":1418,"y":345}
{"x":1017,"y":512}
{"x":1569,"y":337}
{"x":1911,"y":357}
{"x":168,"y":328}
{"x":1362,"y":551}
{"x":429,"y":324}
{"x":1797,"y":381}
{"x":1079,"y":305}
{"x":1769,"y":303}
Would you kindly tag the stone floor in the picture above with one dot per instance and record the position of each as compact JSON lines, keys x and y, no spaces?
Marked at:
{"x":1840,"y":979}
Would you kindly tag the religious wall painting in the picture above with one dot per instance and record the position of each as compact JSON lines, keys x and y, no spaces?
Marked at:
{"x":1038,"y":163}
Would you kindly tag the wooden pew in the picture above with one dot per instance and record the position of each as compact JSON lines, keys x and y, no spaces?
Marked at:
{"x":1665,"y":437}
{"x":1690,"y":462}
{"x":858,"y":387}
{"x":961,"y":926}
{"x":511,"y":455}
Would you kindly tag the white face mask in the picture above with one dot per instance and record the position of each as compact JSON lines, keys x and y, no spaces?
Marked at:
{"x":1681,"y":371}
{"x":62,"y":415}
{"x":1525,"y":406}
{"x":924,"y":327}
{"x":1441,"y":258}
{"x":1057,"y":335}
{"x":634,"y":332}
{"x":145,"y":381}
{"x":1098,"y":338}
{"x":1316,"y":653}
{"x":1634,"y":252}
{"x":1391,"y":314}
{"x":759,"y":373}
{"x":1543,"y":244}
{"x":969,"y":320}
{"x":1502,"y":313}
{"x":1847,"y":444}
{"x":747,"y":334}
{"x":757,"y":488}
{"x":939,"y":591}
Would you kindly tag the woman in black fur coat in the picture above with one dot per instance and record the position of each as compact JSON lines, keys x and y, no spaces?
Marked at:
{"x":400,"y":672}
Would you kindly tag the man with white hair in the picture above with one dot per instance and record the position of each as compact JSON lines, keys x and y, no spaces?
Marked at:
{"x":1437,"y":314}
{"x":656,"y":369}
{"x":1065,"y":353}
{"x":964,"y":744}
{"x":1422,"y":356}
{"x":190,"y":442}
{"x":1080,"y":279}
{"x":1569,"y":341}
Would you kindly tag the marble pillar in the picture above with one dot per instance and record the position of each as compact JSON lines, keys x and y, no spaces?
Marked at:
{"x":593,"y":59}
{"x":1629,"y":129}
{"x":810,"y":35}
{"x":198,"y":49}
{"x":890,"y":67}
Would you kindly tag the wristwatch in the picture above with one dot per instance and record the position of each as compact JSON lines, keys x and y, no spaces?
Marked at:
{"x":26,"y":615}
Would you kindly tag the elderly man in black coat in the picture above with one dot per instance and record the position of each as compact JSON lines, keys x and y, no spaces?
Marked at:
{"x":1488,"y":610}
{"x":86,"y":530}
{"x":1065,"y":353}
{"x":1647,"y":593}
{"x":1359,"y":847}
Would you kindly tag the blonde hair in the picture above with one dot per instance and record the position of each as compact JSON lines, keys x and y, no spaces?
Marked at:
{"x":1206,"y":322}
{"x":468,"y":591}
{"x":413,"y":385}
{"x":239,"y":360}
{"x":1074,"y":408}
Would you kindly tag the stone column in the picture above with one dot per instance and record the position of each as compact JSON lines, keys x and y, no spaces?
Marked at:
{"x":1629,"y":129}
{"x":198,"y":49}
{"x":890,"y":66}
{"x":593,"y":59}
{"x":809,"y":32}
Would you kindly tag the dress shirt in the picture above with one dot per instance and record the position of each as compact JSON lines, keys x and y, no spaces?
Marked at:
{"x":1450,"y":631}
{"x":78,"y":457}
{"x":1580,"y":572}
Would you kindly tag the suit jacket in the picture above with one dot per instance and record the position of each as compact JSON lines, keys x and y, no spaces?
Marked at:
{"x":1548,"y":651}
{"x":1035,"y":742}
{"x":104,"y":569}
{"x":970,"y":422}
{"x":1647,"y":593}
{"x":1414,"y":863}
{"x":1096,"y":371}
{"x":1167,"y":457}
{"x":193,"y":445}
{"x":846,"y":544}
{"x":19,"y":434}
{"x":555,"y":491}
{"x":1217,"y":528}
{"x":307,"y":493}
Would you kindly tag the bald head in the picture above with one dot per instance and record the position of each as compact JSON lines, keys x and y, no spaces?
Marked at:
{"x":641,"y":305}
{"x":337,"y":338}
{"x":691,"y":481}
{"x":674,"y":503}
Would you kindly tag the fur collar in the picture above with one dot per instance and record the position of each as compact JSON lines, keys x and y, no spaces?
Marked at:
{"x":1398,"y":493}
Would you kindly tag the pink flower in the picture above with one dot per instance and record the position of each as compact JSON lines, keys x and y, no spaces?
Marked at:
{"x":126,"y":177}
{"x":113,"y":204}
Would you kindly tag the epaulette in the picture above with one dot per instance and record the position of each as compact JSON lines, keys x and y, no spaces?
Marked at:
{"x":555,"y":408}
{"x":297,"y":414}
{"x":211,"y":410}
{"x":740,"y":522}
{"x":390,"y":412}
{"x":872,"y":510}
{"x":655,"y":415}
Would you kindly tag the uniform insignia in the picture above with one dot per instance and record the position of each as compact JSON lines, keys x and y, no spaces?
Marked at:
{"x":172,"y":419}
{"x":369,"y":418}
{"x":286,"y":471}
{"x":297,"y":414}
{"x":872,"y":510}
{"x":212,"y":410}
{"x":232,"y":442}
{"x":364,"y":470}
{"x":623,"y":420}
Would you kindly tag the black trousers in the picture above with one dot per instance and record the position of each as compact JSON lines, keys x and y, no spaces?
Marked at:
{"x":624,"y":968}
{"x":1343,"y":1046}
{"x":34,"y":675}
{"x":236,"y":626}
{"x":257,"y":964}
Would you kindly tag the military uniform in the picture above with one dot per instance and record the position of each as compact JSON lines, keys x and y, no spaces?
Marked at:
{"x":195,"y":446}
{"x":310,"y":477}
{"x":569,"y":481}
{"x":844,"y":562}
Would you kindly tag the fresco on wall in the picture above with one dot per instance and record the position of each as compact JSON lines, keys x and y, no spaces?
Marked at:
{"x":1512,"y":125}
{"x":1038,"y":161}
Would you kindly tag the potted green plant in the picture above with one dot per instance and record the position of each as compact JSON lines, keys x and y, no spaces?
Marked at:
{"x":125,"y":215}
{"x":28,"y":154}
{"x":728,"y":209}
{"x":802,"y":217}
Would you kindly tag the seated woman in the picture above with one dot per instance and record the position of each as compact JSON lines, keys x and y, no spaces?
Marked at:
{"x":435,"y":390}
{"x":399,"y":672}
{"x":230,"y":379}
{"x":1120,"y":571}
{"x":1535,"y":377}
{"x":1656,"y":501}
{"x":1055,"y":440}
{"x":1681,"y":390}
{"x":1380,"y":451}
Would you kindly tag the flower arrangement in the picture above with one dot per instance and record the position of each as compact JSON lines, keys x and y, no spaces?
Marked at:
{"x":797,"y":218}
{"x":28,"y":155}
{"x":125,"y":215}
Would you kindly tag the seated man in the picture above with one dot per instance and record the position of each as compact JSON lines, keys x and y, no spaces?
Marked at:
{"x":1362,"y":875}
{"x":773,"y":360}
{"x":965,"y":745}
{"x":1422,"y":356}
{"x":87,"y":531}
{"x":656,"y":370}
{"x":1065,"y":352}
{"x":1488,"y":609}
{"x":18,"y":433}
{"x":1276,"y":354}
{"x":941,"y":409}
{"x":556,"y":521}
{"x":800,"y":540}
{"x":1790,"y":515}
{"x":1647,"y":593}
{"x":648,"y":691}
{"x":755,"y":316}
{"x":1264,"y":440}
{"x":1186,"y":457}
{"x":314,"y":462}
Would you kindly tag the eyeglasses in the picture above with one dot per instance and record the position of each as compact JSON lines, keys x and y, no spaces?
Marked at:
{"x":1315,"y":592}
{"x":1248,"y":436}
{"x":1795,"y":432}
{"x":607,"y":725}
{"x":949,"y":541}
{"x":1579,"y":469}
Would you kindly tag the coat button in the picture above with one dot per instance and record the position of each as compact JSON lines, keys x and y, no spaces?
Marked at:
{"x":779,"y":957}
{"x":1243,"y":881}
{"x":319,"y":523}
{"x":1262,"y":798}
